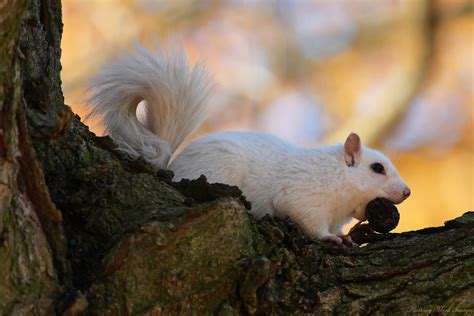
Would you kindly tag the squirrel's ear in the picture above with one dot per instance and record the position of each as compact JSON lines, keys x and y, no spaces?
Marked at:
{"x":352,"y":150}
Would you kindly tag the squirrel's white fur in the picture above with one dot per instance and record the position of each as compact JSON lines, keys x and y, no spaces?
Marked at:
{"x":319,"y":188}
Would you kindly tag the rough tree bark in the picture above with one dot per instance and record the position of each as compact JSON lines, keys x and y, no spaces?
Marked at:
{"x":84,"y":230}
{"x":33,"y":262}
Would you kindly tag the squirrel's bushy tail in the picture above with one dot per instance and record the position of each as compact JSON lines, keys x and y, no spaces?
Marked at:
{"x":176,"y":102}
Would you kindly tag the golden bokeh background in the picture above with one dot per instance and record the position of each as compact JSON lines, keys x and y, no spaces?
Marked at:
{"x":399,"y":72}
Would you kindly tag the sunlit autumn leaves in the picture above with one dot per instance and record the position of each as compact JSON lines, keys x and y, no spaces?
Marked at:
{"x":398,"y":72}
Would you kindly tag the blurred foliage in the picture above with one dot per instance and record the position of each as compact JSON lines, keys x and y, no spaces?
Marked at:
{"x":399,"y":72}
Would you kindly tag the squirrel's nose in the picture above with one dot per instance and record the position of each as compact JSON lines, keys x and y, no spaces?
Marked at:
{"x":406,"y":192}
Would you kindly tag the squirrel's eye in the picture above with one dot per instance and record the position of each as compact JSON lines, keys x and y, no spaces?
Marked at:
{"x":378,"y":168}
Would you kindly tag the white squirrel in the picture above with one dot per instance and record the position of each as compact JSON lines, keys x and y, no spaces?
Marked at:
{"x":320,"y":188}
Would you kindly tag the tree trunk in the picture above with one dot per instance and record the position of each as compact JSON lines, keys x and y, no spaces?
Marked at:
{"x":32,"y":244}
{"x":121,"y":239}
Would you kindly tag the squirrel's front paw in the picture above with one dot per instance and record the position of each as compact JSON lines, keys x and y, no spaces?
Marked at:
{"x":340,"y":240}
{"x":333,"y":239}
{"x":347,"y":241}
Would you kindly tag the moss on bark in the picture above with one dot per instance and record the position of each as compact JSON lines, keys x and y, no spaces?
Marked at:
{"x":189,"y":268}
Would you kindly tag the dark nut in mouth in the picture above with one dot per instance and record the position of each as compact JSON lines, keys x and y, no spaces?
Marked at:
{"x":382,"y":215}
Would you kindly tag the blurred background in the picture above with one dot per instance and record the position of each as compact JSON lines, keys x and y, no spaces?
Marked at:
{"x":399,"y":72}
